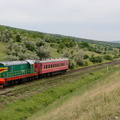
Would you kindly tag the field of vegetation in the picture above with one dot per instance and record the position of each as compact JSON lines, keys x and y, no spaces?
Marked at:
{"x":89,"y":95}
{"x":98,"y":100}
{"x":18,"y":44}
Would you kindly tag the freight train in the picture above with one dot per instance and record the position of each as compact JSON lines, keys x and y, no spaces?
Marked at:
{"x":12,"y":72}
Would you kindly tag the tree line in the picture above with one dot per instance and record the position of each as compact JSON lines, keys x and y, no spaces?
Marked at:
{"x":23,"y":45}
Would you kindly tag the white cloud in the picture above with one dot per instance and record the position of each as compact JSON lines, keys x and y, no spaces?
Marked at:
{"x":94,"y":16}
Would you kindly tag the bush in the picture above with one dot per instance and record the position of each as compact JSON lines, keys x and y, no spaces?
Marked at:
{"x":19,"y":52}
{"x":40,"y":42}
{"x":81,"y":62}
{"x":79,"y":58}
{"x":71,"y":64}
{"x":11,"y":58}
{"x":108,"y":57}
{"x":84,"y":44}
{"x":27,"y":55}
{"x":30,"y":45}
{"x":98,"y":51}
{"x":43,"y":52}
{"x":5,"y":36}
{"x":52,"y":45}
{"x":14,"y":48}
{"x":61,"y":45}
{"x":18,"y":37}
{"x":104,"y":52}
{"x":86,"y":56}
{"x":66,"y":55}
{"x":95,"y":59}
{"x":49,"y":39}
{"x":58,"y":50}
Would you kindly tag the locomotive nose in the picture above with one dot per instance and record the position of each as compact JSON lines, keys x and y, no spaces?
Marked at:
{"x":2,"y":81}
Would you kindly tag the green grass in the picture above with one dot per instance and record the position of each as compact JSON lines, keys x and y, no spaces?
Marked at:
{"x":54,"y":53}
{"x":3,"y":51}
{"x":97,"y":100}
{"x":25,"y":107}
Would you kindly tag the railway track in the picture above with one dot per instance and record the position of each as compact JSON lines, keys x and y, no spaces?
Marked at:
{"x":49,"y":81}
{"x":89,"y":67}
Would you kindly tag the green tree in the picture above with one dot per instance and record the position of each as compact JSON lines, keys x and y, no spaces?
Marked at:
{"x":27,"y":55}
{"x":47,"y":38}
{"x":71,"y":64}
{"x":66,"y":54}
{"x":96,"y":59}
{"x":84,"y":44}
{"x":79,"y":58}
{"x":40,"y":42}
{"x":11,"y":58}
{"x":61,"y":46}
{"x":18,"y":37}
{"x":108,"y":57}
{"x":43,"y":52}
{"x":30,"y":45}
{"x":5,"y":35}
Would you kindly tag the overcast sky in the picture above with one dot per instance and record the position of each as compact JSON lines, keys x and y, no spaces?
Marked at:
{"x":92,"y":19}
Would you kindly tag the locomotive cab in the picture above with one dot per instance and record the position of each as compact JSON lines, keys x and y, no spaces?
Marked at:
{"x":13,"y":70}
{"x":3,"y":70}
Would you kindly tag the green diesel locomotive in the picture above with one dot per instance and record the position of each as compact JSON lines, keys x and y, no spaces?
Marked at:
{"x":12,"y":70}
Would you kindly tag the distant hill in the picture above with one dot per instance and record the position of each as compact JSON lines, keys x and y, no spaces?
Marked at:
{"x":20,"y":44}
{"x":116,"y":41}
{"x":59,"y":37}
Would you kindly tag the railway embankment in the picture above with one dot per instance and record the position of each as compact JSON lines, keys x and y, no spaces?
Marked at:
{"x":43,"y":97}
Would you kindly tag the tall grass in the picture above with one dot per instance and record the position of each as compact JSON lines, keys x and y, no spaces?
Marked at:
{"x":100,"y":101}
{"x":3,"y":51}
{"x":26,"y":107}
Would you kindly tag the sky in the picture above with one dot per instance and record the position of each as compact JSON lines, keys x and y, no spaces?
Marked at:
{"x":91,"y":19}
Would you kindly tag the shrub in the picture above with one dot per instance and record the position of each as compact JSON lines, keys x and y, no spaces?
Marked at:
{"x":58,"y":50}
{"x":49,"y":39}
{"x":79,"y":58}
{"x":66,"y":55}
{"x":108,"y":57}
{"x":27,"y":55}
{"x":18,"y":37}
{"x":30,"y":45}
{"x":71,"y":64}
{"x":104,"y":52}
{"x":52,"y":45}
{"x":40,"y":42}
{"x":84,"y":44}
{"x":98,"y":51}
{"x":81,"y":62}
{"x":14,"y":48}
{"x":86,"y":56}
{"x":61,"y":45}
{"x":11,"y":58}
{"x":43,"y":52}
{"x":5,"y":36}
{"x":95,"y":59}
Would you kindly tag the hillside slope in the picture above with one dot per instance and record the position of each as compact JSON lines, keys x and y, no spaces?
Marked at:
{"x":3,"y":51}
{"x":99,"y":100}
{"x":81,"y":95}
{"x":57,"y":36}
{"x":19,"y":44}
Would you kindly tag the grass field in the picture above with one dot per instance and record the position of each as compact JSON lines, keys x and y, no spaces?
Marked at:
{"x":3,"y":50}
{"x":89,"y":96}
{"x":97,"y":100}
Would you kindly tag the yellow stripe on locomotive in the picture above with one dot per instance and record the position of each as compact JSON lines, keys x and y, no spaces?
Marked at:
{"x":3,"y":69}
